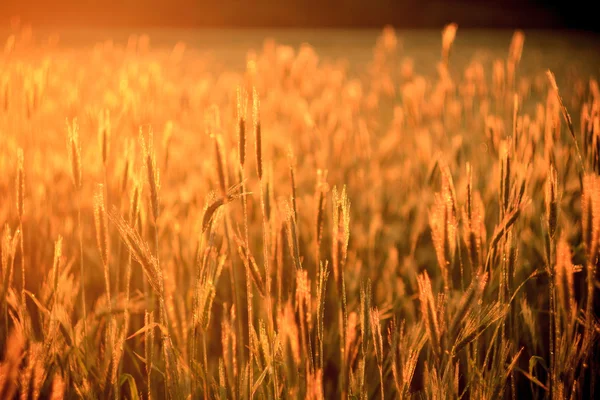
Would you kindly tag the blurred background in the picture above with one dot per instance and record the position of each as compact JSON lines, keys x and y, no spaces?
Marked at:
{"x":506,"y":14}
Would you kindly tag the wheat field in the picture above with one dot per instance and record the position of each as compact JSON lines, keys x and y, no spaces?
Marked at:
{"x":175,"y":226}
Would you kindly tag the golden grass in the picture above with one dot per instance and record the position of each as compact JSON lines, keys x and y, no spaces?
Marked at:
{"x":153,"y":256}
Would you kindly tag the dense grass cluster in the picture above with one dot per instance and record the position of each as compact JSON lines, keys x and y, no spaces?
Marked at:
{"x":297,"y":229}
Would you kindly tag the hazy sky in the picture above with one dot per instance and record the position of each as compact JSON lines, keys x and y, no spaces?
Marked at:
{"x":300,"y":13}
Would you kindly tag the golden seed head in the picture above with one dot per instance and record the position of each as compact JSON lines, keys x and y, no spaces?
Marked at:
{"x":444,"y":225}
{"x":140,"y":251}
{"x":564,"y":274}
{"x":241,"y":115}
{"x":551,"y":200}
{"x":100,"y":222}
{"x":221,"y":166}
{"x":321,"y":189}
{"x":9,"y":246}
{"x":57,"y":257}
{"x":429,"y":312}
{"x":341,"y":229}
{"x":257,"y":132}
{"x":104,"y":131}
{"x":151,"y":171}
{"x":134,"y":204}
{"x":128,"y":164}
{"x":516,"y":46}
{"x":448,"y":35}
{"x":469,"y":192}
{"x":74,"y":150}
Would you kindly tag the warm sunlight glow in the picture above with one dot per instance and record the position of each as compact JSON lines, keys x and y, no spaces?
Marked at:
{"x":308,"y":213}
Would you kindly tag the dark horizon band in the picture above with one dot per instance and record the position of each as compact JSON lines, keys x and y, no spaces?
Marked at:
{"x":507,"y":14}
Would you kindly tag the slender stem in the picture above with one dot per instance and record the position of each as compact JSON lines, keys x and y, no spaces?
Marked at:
{"x":205,"y":365}
{"x":9,"y":277}
{"x":249,"y":293}
{"x":164,"y":318}
{"x":342,"y":316}
{"x":589,"y":309}
{"x":199,"y":260}
{"x":149,"y":346}
{"x":381,"y":382}
{"x":23,"y":309}
{"x":235,"y":292}
{"x":268,"y":278}
{"x":553,"y":329}
{"x":82,"y":271}
{"x":22,"y":264}
{"x":126,"y":314}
